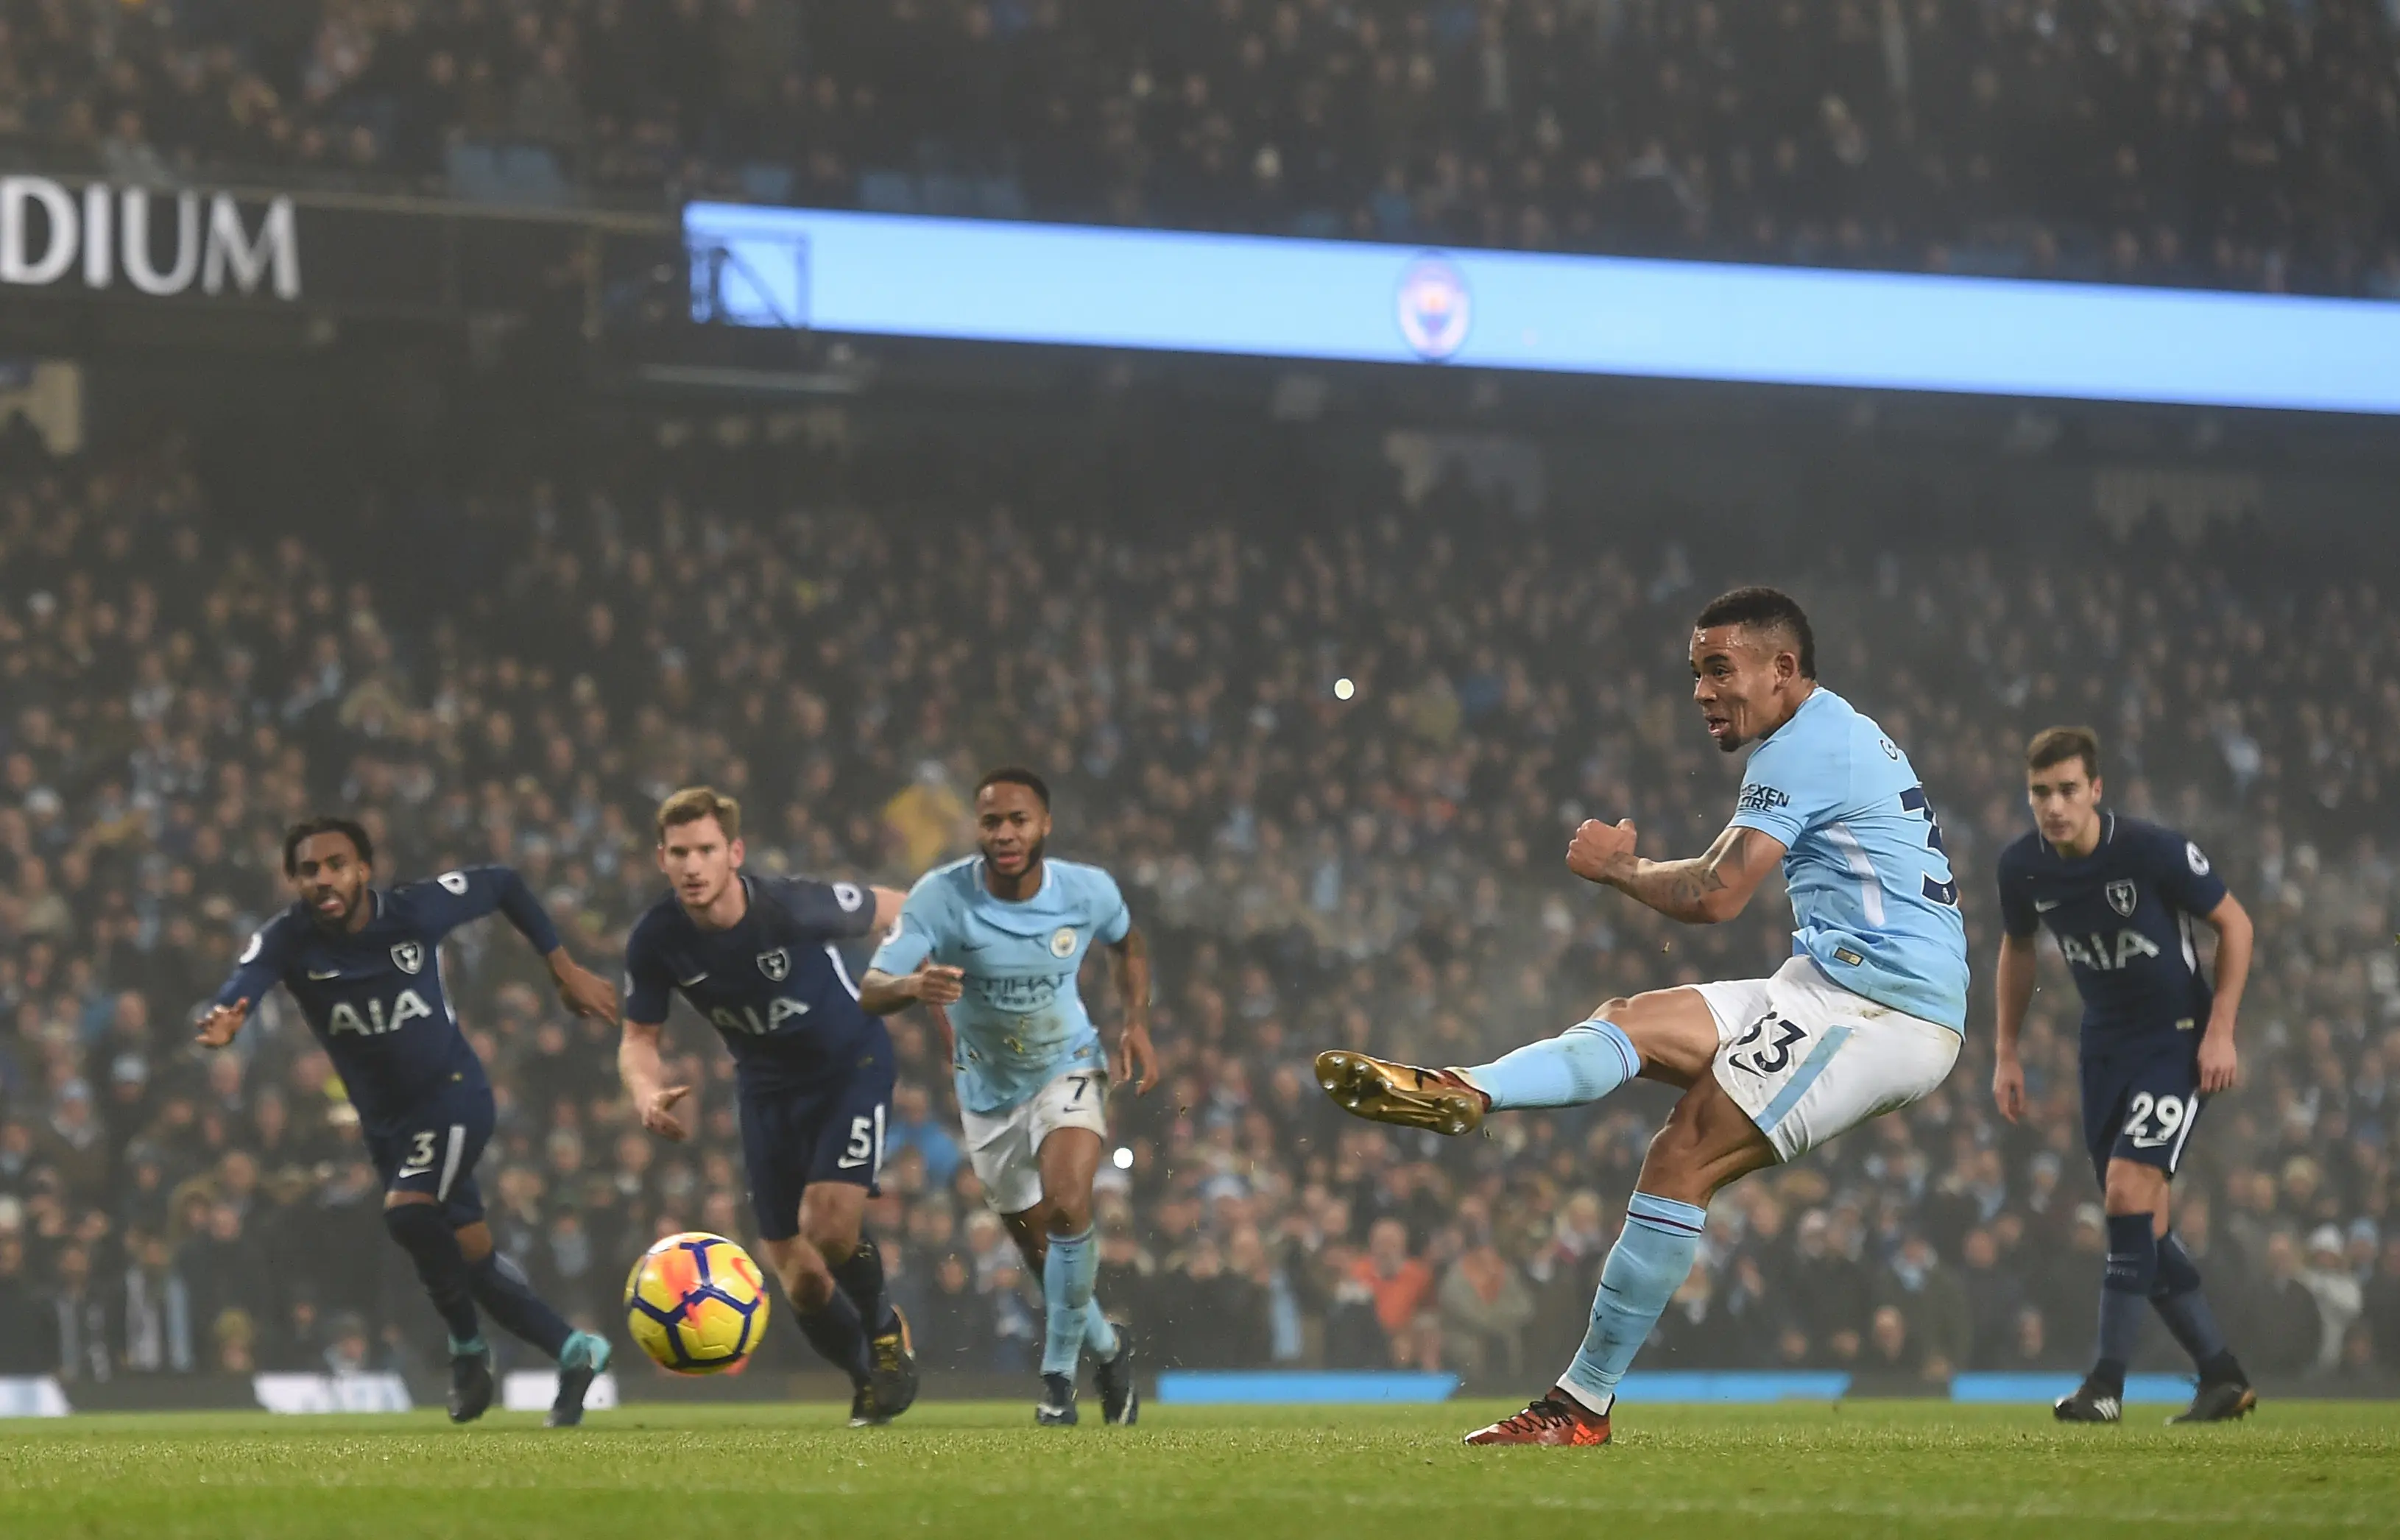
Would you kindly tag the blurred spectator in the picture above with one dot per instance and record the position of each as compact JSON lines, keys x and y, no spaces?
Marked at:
{"x":1933,"y":1306}
{"x":1484,"y":1308}
{"x":2285,"y":1326}
{"x":2334,"y":1288}
{"x":28,"y":1331}
{"x":157,"y":1310}
{"x":1397,"y":1282}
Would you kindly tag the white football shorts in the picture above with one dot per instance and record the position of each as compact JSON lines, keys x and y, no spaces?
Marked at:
{"x":1807,"y":1059}
{"x":1006,"y":1147}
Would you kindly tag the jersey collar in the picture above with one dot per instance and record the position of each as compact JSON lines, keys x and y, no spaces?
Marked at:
{"x":984,"y":888}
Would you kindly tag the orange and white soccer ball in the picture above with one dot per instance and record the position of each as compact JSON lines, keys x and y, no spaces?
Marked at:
{"x":696,"y":1302}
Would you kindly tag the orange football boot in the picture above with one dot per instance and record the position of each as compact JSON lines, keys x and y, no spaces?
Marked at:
{"x":1557,"y":1420}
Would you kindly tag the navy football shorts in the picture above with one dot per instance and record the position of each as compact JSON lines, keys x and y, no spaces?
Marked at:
{"x":793,"y":1140}
{"x":2140,"y":1106}
{"x":432,"y":1149}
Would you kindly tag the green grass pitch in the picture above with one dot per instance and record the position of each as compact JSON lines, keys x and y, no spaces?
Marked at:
{"x":982,"y":1472}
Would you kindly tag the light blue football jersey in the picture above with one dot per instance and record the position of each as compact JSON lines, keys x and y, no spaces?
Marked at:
{"x":1021,"y":1023}
{"x":1873,"y":898}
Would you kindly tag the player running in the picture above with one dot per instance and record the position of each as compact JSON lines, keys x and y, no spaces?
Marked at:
{"x":2120,"y":895}
{"x":996,"y":941}
{"x":758,"y":958}
{"x":364,"y":964}
{"x":1867,"y":1015}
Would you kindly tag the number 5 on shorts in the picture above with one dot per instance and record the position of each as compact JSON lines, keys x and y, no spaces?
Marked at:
{"x":866,"y":1143}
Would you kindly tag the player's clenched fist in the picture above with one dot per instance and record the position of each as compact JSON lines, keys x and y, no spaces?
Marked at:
{"x":1602,"y":853}
{"x":937,"y":984}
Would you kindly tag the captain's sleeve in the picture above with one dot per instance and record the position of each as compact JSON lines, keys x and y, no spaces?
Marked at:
{"x":2184,"y":875}
{"x":258,"y":969}
{"x":2017,"y":916}
{"x":1789,"y":787}
{"x":1111,"y":920}
{"x":839,"y":912}
{"x":470,"y":892}
{"x":648,"y":983}
{"x":917,"y":933}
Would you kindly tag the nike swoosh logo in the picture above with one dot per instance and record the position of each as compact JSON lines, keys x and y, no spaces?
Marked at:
{"x":845,"y":1163}
{"x":321,"y":977}
{"x":688,"y":982}
{"x":2140,"y":1143}
{"x":2043,"y":905}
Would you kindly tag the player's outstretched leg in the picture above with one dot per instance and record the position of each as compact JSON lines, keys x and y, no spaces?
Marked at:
{"x":892,"y":1382}
{"x":2224,"y":1393}
{"x":421,"y":1231}
{"x":1581,"y":1065}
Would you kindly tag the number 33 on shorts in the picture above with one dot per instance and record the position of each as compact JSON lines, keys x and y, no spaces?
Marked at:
{"x":1766,"y":1049}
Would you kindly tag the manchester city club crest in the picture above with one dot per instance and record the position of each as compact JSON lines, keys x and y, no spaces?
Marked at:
{"x":1063,"y":944}
{"x":776,"y":965}
{"x":408,"y":956}
{"x":2122,"y":898}
{"x":1433,"y":307}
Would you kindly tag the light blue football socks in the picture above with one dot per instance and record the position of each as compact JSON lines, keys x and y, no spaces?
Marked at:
{"x":1581,"y":1065}
{"x":1644,"y":1268}
{"x":1068,"y":1272}
{"x":1099,"y":1333}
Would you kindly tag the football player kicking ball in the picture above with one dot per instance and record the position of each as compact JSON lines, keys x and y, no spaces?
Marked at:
{"x":2121,"y":897}
{"x":364,"y":964}
{"x":995,"y":941}
{"x":758,"y":958}
{"x":1864,"y":1019}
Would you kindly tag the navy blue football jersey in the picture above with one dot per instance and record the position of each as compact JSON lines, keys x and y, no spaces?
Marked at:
{"x":373,"y":996}
{"x":773,"y":984}
{"x":2123,"y":919}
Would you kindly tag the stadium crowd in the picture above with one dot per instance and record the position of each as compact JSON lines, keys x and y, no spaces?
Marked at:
{"x":1381,"y":871}
{"x":2179,"y":142}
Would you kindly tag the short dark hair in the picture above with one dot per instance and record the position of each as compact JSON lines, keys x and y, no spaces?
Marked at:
{"x":1016,"y":775}
{"x":309,"y":829}
{"x":694,"y":803}
{"x":2057,"y":745}
{"x":1770,"y":609}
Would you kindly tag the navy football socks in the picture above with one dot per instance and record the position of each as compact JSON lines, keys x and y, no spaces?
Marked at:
{"x":861,"y":1276}
{"x":507,"y":1295}
{"x":426,"y":1237}
{"x":838,"y":1335}
{"x":2179,"y":1303}
{"x":2124,"y":1294}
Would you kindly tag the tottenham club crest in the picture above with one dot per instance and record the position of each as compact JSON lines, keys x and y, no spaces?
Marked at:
{"x":1063,"y":944}
{"x":2122,"y":898}
{"x":1434,"y":308}
{"x":776,"y":965}
{"x":408,"y":956}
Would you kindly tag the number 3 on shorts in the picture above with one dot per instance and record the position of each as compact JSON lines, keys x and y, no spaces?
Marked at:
{"x":421,"y":1154}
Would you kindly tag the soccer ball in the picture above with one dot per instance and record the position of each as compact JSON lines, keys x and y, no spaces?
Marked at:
{"x":696,"y":1303}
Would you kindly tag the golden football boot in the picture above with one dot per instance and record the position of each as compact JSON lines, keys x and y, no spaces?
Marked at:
{"x":1438,"y":1100}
